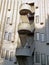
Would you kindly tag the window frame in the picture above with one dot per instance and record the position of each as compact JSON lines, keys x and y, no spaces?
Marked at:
{"x":37,"y":36}
{"x":7,"y":55}
{"x":2,"y":53}
{"x":42,"y":37}
{"x":44,"y":61}
{"x":8,"y":19}
{"x":11,"y":56}
{"x":47,"y":59}
{"x":6,"y":35}
{"x":9,"y":36}
{"x":37,"y":19}
{"x":37,"y":58}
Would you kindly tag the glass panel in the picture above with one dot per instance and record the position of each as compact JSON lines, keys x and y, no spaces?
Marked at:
{"x":37,"y":36}
{"x":42,"y":37}
{"x":11,"y":56}
{"x":37,"y":57}
{"x":37,"y":19}
{"x":6,"y":36}
{"x":7,"y":55}
{"x":9,"y":37}
{"x":47,"y":59}
{"x":8,"y":19}
{"x":3,"y":53}
{"x":43,"y":59}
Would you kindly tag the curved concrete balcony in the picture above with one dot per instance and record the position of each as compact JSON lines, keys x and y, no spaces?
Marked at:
{"x":23,"y":52}
{"x":24,"y":27}
{"x":25,"y":9}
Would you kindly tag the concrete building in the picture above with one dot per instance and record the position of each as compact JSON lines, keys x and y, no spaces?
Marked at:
{"x":24,"y":32}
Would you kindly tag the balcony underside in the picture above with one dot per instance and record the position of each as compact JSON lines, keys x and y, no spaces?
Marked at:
{"x":23,"y":52}
{"x":22,"y":60}
{"x":25,"y":9}
{"x":24,"y":32}
{"x":24,"y":12}
{"x":30,"y":3}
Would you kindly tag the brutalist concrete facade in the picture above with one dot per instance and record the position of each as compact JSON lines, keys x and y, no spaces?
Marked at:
{"x":24,"y":32}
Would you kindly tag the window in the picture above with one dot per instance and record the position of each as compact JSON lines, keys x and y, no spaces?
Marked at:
{"x":43,"y":59}
{"x":6,"y":36}
{"x":15,"y":60}
{"x":37,"y":19}
{"x":9,"y":36}
{"x":37,"y":36}
{"x":42,"y":37}
{"x":11,"y":56}
{"x":7,"y":55}
{"x":3,"y":53}
{"x":47,"y":59}
{"x":31,"y":18}
{"x":8,"y":19}
{"x":37,"y":57}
